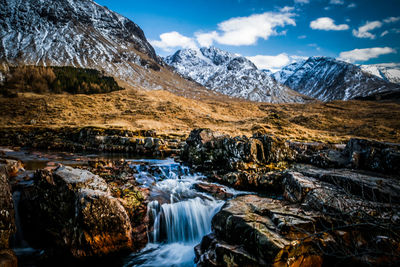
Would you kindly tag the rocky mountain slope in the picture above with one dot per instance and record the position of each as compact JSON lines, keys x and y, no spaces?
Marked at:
{"x":82,"y":33}
{"x":389,"y":72}
{"x":330,"y":79}
{"x":230,"y":74}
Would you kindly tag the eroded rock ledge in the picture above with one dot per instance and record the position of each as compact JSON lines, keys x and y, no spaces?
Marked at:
{"x":328,"y":207}
{"x":93,"y":139}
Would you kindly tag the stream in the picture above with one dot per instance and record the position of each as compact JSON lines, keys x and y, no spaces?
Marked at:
{"x":180,"y":214}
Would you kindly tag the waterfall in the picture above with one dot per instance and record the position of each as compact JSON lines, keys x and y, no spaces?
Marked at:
{"x":179,"y":221}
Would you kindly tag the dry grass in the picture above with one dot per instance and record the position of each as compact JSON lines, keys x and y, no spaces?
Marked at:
{"x":168,"y":113}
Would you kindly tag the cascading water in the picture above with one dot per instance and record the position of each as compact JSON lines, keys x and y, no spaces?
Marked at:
{"x":181,"y":216}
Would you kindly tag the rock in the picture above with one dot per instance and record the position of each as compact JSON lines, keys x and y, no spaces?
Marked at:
{"x":374,"y":155}
{"x":8,"y":258}
{"x":369,"y":186}
{"x":74,"y":210}
{"x":7,"y":221}
{"x":252,"y":230}
{"x":215,"y":190}
{"x":270,"y":182}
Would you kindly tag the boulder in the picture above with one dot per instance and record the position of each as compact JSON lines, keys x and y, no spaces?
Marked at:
{"x":75,"y":211}
{"x":215,"y":190}
{"x":251,"y":231}
{"x":373,"y":155}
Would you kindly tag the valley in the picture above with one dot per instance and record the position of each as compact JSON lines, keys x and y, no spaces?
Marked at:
{"x":117,"y":149}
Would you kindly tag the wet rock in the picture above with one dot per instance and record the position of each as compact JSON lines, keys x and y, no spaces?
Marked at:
{"x":215,"y":190}
{"x":252,"y":230}
{"x":75,"y":211}
{"x":270,"y":182}
{"x":7,"y":221}
{"x":374,"y":155}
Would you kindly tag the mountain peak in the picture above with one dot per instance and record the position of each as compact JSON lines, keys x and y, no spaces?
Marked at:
{"x":230,"y":74}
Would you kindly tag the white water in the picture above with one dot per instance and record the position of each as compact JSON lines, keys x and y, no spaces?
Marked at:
{"x":180,"y":221}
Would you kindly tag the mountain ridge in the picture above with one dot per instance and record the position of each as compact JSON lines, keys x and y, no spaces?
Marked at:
{"x":329,"y":79}
{"x":231,"y":75}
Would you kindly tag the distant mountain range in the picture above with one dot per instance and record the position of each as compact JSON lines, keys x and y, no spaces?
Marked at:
{"x":328,"y":79}
{"x":231,"y":74}
{"x":82,"y":33}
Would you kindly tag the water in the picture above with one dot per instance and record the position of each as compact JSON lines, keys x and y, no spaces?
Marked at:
{"x":181,"y":216}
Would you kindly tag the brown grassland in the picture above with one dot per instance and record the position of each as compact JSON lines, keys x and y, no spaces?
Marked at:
{"x":333,"y":122}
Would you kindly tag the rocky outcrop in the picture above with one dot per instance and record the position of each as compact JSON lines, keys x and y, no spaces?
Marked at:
{"x":322,"y":220}
{"x":92,"y":139}
{"x":323,"y":206}
{"x":240,"y":161}
{"x":78,"y":212}
{"x":373,"y":155}
{"x":7,"y":222}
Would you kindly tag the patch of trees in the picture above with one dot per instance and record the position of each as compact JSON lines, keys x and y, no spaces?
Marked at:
{"x":56,"y":80}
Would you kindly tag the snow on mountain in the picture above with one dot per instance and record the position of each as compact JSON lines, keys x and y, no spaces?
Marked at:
{"x":388,"y":71}
{"x":230,"y":74}
{"x":330,"y":79}
{"x":82,"y":33}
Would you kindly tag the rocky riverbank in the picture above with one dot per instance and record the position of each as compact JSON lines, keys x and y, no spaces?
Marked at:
{"x":327,"y":206}
{"x":92,"y":139}
{"x":309,"y":203}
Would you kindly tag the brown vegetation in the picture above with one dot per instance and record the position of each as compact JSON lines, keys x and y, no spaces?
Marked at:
{"x":167,"y":113}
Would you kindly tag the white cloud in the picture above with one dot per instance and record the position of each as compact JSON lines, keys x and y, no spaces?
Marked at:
{"x":384,"y":33}
{"x":206,"y":39}
{"x":365,"y":54}
{"x":286,"y":9}
{"x":336,"y":2}
{"x":352,"y":5}
{"x":302,"y":37}
{"x":327,"y":24}
{"x":247,"y":30}
{"x":391,"y":19}
{"x":302,"y":1}
{"x":172,"y":40}
{"x":273,"y":63}
{"x":364,"y":31}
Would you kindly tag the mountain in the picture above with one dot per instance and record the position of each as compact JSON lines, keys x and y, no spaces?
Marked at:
{"x":328,"y":79}
{"x":388,"y":71}
{"x":231,"y":75}
{"x":81,"y":33}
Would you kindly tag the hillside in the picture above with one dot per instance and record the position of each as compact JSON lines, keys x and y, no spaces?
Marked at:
{"x":165,"y":112}
{"x":82,"y":33}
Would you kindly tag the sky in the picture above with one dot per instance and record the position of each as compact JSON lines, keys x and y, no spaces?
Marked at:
{"x":272,"y":33}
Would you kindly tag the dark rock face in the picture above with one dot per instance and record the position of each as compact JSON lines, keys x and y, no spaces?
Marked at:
{"x":240,"y":162}
{"x":7,"y":221}
{"x":76,"y":211}
{"x":332,"y":210}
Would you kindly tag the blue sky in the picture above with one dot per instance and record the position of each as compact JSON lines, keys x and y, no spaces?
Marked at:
{"x":272,"y":33}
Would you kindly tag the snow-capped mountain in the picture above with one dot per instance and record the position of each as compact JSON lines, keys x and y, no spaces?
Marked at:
{"x":330,"y":79}
{"x":387,"y":71}
{"x":82,"y":33}
{"x":230,"y":74}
